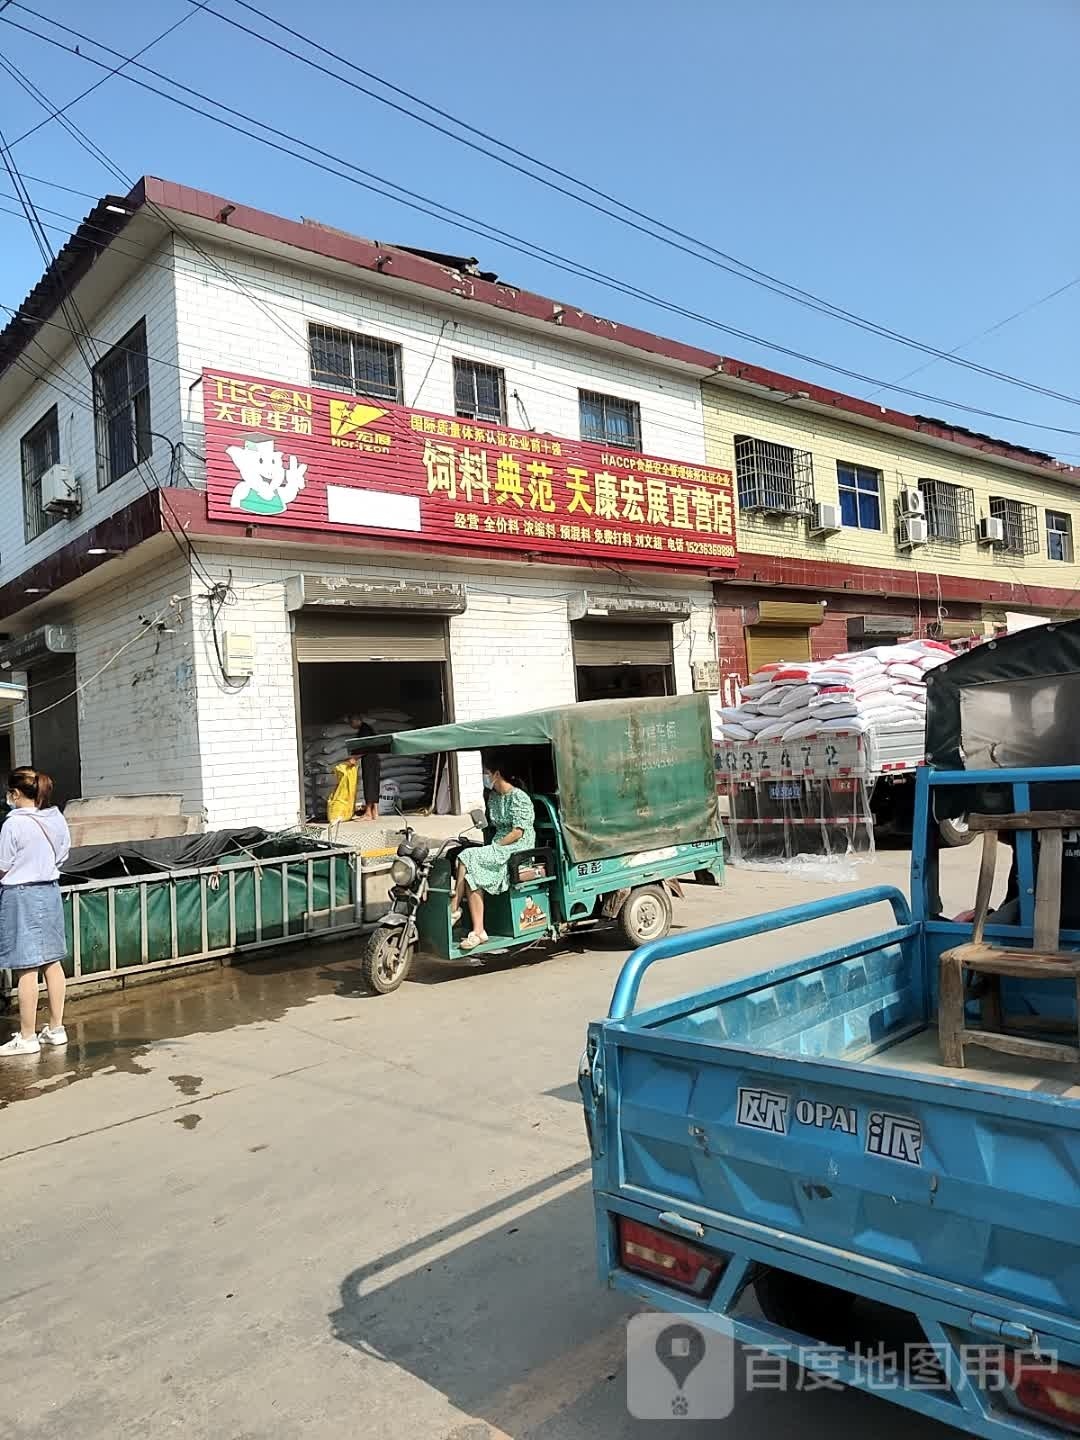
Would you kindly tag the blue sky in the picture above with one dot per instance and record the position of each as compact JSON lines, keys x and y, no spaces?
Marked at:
{"x":910,"y":162}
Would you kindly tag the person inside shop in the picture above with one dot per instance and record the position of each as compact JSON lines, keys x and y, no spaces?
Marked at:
{"x":485,"y":869}
{"x":34,"y":843}
{"x":370,"y":770}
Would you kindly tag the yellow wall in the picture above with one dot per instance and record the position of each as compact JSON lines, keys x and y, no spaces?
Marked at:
{"x":902,"y":462}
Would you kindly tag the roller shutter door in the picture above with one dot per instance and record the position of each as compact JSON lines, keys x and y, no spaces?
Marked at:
{"x":766,"y":644}
{"x":597,"y":642}
{"x":344,"y":639}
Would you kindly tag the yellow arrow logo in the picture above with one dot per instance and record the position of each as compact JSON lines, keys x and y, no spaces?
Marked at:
{"x":347,"y":416}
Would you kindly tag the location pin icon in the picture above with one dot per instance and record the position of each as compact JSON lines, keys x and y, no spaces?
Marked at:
{"x":680,"y":1349}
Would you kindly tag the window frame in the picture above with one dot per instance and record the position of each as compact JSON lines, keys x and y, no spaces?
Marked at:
{"x":760,"y":485}
{"x":857,"y":472}
{"x":470,"y":370}
{"x":35,"y":519}
{"x":1066,"y":556}
{"x":137,"y":401}
{"x":1020,"y":525}
{"x":356,"y":341}
{"x":632,"y":410}
{"x":960,"y":508}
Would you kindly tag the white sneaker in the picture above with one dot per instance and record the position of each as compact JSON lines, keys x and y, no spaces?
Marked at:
{"x":18,"y":1046}
{"x":49,"y":1036}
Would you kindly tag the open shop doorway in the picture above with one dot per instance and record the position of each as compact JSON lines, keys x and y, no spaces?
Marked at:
{"x":390,"y":695}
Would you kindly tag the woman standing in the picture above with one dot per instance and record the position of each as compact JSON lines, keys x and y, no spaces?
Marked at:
{"x":34,"y":843}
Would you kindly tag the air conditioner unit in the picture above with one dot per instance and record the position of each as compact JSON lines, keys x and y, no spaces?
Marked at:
{"x":825,"y":518}
{"x":912,"y":502}
{"x":913,"y":531}
{"x":991,"y":530}
{"x":60,"y":491}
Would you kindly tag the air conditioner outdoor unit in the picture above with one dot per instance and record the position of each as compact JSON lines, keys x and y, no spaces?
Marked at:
{"x":991,"y":530}
{"x":825,"y":518}
{"x":913,"y":532}
{"x":912,"y":502}
{"x":60,"y":491}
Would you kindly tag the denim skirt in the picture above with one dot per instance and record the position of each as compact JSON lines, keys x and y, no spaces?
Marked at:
{"x":31,"y":926}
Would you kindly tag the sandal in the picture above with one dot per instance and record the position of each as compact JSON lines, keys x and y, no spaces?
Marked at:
{"x":455,"y":916}
{"x":473,"y":939}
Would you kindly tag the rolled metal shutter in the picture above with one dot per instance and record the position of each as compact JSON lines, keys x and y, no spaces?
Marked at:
{"x":599,"y":642}
{"x":766,"y":644}
{"x":333,"y":639}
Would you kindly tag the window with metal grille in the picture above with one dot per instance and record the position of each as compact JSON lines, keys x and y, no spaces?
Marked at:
{"x":1059,"y":544}
{"x":122,"y":407}
{"x":607,"y":420}
{"x":40,"y":448}
{"x":1020,"y":523}
{"x":343,"y":360}
{"x":479,"y":392}
{"x":860,"y":496}
{"x":950,"y":512}
{"x":773,"y":477}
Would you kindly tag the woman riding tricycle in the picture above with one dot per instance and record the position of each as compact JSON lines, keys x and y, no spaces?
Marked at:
{"x":593,"y":813}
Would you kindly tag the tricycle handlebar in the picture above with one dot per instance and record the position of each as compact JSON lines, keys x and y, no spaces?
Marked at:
{"x":629,"y":981}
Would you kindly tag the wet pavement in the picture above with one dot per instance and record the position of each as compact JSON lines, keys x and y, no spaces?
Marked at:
{"x":257,"y":1202}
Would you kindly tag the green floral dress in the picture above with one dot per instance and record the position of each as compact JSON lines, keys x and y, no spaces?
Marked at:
{"x":487,"y":867}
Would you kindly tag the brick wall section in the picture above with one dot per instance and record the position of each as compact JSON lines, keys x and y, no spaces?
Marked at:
{"x":149,"y":296}
{"x":902,"y":462}
{"x":830,"y":637}
{"x":219,"y":324}
{"x":138,"y":730}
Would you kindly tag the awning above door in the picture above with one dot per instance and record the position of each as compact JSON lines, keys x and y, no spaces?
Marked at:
{"x":347,"y":593}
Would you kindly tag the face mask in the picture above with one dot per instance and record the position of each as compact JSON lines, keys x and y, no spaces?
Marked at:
{"x":488,"y":781}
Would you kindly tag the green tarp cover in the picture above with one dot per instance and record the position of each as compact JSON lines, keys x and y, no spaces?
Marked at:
{"x":633,"y":774}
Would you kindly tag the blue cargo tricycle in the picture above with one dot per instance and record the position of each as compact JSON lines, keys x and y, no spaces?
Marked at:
{"x":792,"y":1158}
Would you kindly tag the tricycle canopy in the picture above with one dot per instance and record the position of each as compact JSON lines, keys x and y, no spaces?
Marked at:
{"x":631,"y":775}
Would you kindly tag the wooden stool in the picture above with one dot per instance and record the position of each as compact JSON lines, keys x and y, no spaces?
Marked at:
{"x":988,"y":963}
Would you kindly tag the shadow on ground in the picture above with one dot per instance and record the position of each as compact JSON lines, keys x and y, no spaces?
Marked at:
{"x":515,"y":1328}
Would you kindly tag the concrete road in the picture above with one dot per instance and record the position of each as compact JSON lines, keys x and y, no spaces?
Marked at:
{"x":259,"y":1203}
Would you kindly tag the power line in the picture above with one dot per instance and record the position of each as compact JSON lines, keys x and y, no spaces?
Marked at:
{"x":720,"y":259}
{"x":63,"y":109}
{"x":513,"y":242}
{"x":991,"y":329}
{"x":81,"y":334}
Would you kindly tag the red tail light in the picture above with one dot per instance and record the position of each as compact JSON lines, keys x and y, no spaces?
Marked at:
{"x":653,"y":1252}
{"x":1049,"y":1389}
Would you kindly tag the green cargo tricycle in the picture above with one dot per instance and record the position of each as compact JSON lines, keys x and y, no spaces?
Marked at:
{"x":624,"y":794}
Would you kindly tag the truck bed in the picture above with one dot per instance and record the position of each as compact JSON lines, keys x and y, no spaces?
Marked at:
{"x":918,"y":1053}
{"x":804,"y":1108}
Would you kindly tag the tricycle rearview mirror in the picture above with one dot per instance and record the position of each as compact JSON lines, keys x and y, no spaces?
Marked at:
{"x":478,"y":817}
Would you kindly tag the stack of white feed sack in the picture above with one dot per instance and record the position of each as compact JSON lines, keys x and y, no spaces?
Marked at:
{"x":879,"y":689}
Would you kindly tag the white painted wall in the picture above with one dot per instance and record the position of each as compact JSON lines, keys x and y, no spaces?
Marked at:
{"x":510,"y":651}
{"x":161,"y":717}
{"x":138,"y":718}
{"x":259,"y":326}
{"x":149,"y":295}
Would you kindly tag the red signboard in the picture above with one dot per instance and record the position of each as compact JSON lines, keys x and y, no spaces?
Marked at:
{"x":319,"y":460}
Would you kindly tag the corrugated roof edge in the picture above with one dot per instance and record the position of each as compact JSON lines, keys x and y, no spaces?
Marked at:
{"x":408,"y":265}
{"x":97,"y":231}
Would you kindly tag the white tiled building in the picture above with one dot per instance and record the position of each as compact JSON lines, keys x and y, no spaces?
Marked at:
{"x":108,"y":608}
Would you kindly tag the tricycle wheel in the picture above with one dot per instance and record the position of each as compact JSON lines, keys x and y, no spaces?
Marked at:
{"x":956,"y":832}
{"x":805,"y":1306}
{"x":646,"y":914}
{"x":387,"y":960}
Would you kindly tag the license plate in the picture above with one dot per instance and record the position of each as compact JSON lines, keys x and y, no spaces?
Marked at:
{"x":788,"y":790}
